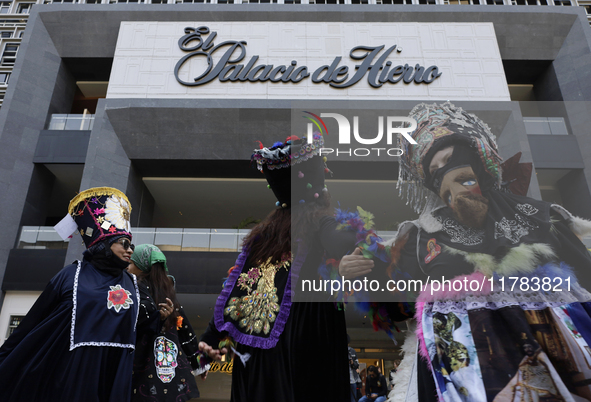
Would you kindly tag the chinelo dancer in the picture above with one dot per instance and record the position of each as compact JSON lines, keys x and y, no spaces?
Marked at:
{"x":275,"y":337}
{"x":512,"y":323}
{"x":77,"y":341}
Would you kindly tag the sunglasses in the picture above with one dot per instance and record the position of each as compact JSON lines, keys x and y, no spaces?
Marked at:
{"x":126,"y":244}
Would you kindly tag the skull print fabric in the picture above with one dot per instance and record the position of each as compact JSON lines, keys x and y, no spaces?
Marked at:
{"x":165,"y":358}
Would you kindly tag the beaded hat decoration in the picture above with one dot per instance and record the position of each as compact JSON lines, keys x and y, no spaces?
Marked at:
{"x":439,"y":126}
{"x":99,"y":213}
{"x":294,"y":169}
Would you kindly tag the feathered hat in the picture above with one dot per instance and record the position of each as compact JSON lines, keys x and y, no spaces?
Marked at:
{"x":97,"y":213}
{"x":294,"y":169}
{"x":439,"y":126}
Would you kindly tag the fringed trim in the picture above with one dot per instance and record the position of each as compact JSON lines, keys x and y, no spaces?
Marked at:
{"x":521,"y":260}
{"x":96,"y":192}
{"x":413,"y":190}
{"x":410,"y":174}
{"x":428,"y":222}
{"x":404,"y":374}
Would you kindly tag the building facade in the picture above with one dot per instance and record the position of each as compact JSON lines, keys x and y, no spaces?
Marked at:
{"x":167,"y":101}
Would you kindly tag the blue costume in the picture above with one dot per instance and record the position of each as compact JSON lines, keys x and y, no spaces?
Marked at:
{"x":77,"y":341}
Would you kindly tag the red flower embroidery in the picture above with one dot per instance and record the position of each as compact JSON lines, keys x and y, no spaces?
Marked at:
{"x":112,"y":229}
{"x":99,"y":211}
{"x":118,"y":298}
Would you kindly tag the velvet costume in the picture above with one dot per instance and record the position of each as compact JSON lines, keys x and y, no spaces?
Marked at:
{"x":77,"y":341}
{"x":37,"y":362}
{"x":147,"y":384}
{"x":491,"y":342}
{"x":489,"y":329}
{"x":279,"y":369}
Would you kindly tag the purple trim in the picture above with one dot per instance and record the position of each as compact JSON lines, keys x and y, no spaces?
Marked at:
{"x":254,"y":340}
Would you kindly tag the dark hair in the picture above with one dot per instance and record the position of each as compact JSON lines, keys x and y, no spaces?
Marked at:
{"x":162,"y":287}
{"x":272,"y":237}
{"x":373,"y":369}
{"x":307,"y":216}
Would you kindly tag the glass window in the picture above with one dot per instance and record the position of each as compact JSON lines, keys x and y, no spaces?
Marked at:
{"x":24,"y":8}
{"x":15,"y":320}
{"x":4,"y":78}
{"x":6,"y":34}
{"x":9,"y":54}
{"x":5,"y":7}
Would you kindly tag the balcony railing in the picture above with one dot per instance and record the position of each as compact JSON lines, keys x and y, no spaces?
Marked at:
{"x":71,"y":122}
{"x":168,"y":239}
{"x":545,"y":125}
{"x":41,"y":237}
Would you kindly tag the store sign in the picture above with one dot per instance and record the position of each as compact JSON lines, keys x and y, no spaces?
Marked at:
{"x":374,"y":65}
{"x":221,"y":367}
{"x":307,"y":60}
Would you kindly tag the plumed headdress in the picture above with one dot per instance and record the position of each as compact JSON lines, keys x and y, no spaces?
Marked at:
{"x":440,"y":126}
{"x":98,"y":213}
{"x":294,"y":169}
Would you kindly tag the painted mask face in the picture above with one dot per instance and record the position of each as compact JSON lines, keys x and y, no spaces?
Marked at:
{"x":461,"y":192}
{"x":458,"y":182}
{"x":165,"y":358}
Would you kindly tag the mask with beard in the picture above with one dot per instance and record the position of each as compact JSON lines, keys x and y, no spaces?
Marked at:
{"x":457,"y":183}
{"x":471,"y":209}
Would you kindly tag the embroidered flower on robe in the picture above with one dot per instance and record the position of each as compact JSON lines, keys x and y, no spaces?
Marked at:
{"x":119,"y":298}
{"x":257,"y":311}
{"x":117,"y":212}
